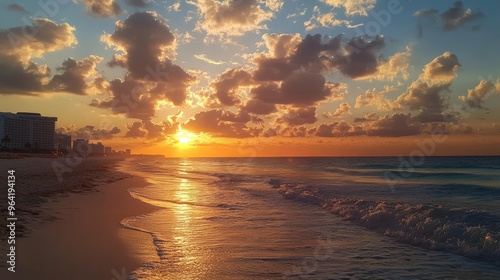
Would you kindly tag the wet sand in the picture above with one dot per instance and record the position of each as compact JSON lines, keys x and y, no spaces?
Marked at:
{"x":85,"y":239}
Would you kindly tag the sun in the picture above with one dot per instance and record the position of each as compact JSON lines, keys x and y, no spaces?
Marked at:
{"x":185,"y":137}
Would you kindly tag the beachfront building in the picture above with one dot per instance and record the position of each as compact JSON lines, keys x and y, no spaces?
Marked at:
{"x":82,"y":146}
{"x":97,"y":149}
{"x":62,"y":141}
{"x":27,"y":131}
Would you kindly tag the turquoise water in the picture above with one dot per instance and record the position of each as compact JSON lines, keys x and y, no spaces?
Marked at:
{"x":320,"y":218}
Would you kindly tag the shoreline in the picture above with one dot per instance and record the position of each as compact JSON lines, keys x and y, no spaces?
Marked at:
{"x":77,"y":234}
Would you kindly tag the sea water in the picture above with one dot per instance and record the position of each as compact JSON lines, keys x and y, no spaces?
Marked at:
{"x":319,"y":218}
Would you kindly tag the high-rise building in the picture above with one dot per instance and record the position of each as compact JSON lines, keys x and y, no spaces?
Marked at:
{"x":82,"y":146}
{"x":97,"y":149}
{"x":27,"y":131}
{"x":62,"y":142}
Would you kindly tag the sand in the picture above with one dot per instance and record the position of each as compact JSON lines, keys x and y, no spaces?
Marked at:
{"x":78,"y":234}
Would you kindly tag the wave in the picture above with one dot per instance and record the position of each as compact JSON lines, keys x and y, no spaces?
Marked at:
{"x":166,"y":203}
{"x":471,"y":233}
{"x":416,"y":174}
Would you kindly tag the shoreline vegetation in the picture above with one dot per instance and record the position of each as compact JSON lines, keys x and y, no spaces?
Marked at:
{"x":70,"y":228}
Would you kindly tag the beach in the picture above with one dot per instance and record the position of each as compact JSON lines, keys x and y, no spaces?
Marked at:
{"x":71,"y":229}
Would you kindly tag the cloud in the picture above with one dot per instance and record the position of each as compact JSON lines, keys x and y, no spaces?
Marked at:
{"x":231,"y":18}
{"x":139,"y":3}
{"x":78,"y":76}
{"x":258,"y":107}
{"x":102,"y":8}
{"x":394,"y":66}
{"x":353,"y":7}
{"x":89,"y":132}
{"x":367,"y":118}
{"x":344,"y":109}
{"x":476,"y":96}
{"x":442,"y":70}
{"x":19,"y":78}
{"x":319,"y":19}
{"x":274,"y":5}
{"x":361,"y":59}
{"x":299,"y":116}
{"x":203,"y":57}
{"x":425,"y":13}
{"x":337,"y":129}
{"x":17,"y":8}
{"x":357,"y":58}
{"x":152,"y":131}
{"x":281,"y":45}
{"x":19,"y":45}
{"x":300,"y":89}
{"x":226,"y":86}
{"x":221,"y":123}
{"x":129,"y":97}
{"x":374,"y":98}
{"x":176,"y":7}
{"x":426,"y":93}
{"x":451,"y":19}
{"x":144,"y":40}
{"x":35,"y":40}
{"x":458,"y":16}
{"x":396,"y":125}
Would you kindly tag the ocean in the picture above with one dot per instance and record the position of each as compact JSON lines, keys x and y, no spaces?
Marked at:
{"x":319,"y":218}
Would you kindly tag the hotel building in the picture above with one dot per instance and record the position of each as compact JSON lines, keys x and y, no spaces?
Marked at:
{"x":27,"y":131}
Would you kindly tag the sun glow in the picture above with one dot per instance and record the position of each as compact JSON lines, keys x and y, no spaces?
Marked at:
{"x":185,"y":138}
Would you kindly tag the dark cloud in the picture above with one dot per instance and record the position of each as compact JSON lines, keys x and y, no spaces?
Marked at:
{"x":152,"y":131}
{"x":458,"y":16}
{"x":129,"y":97}
{"x":300,"y":89}
{"x":299,"y":116}
{"x":361,"y":59}
{"x":16,"y":8}
{"x":139,"y":3}
{"x":221,"y":123}
{"x":78,"y":76}
{"x":89,"y":132}
{"x":356,"y":58}
{"x":35,"y":40}
{"x":144,"y":39}
{"x":258,"y":107}
{"x":397,"y":125}
{"x":103,"y":8}
{"x":19,"y":74}
{"x":16,"y":78}
{"x":287,"y":131}
{"x":367,"y":118}
{"x":337,"y":129}
{"x":226,"y":84}
{"x":135,"y":130}
{"x":451,"y":19}
{"x":272,"y":69}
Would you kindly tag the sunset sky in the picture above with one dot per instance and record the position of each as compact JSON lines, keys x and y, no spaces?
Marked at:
{"x":259,"y":77}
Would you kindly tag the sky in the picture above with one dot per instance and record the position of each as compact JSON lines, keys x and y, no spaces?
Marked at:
{"x":251,"y":78}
